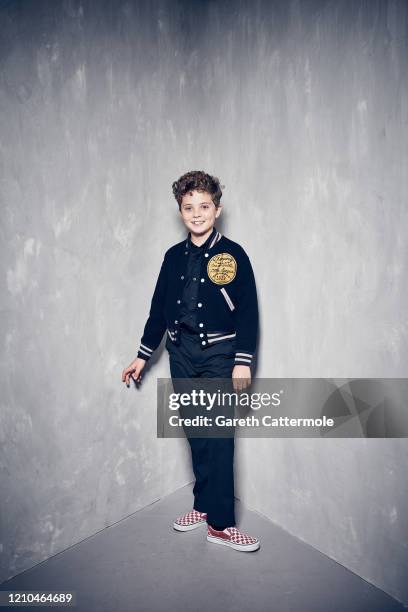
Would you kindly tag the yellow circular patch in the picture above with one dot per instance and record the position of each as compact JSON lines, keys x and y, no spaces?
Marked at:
{"x":222,"y":268}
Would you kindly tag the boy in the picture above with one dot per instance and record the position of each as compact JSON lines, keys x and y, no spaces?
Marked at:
{"x":205,"y":297}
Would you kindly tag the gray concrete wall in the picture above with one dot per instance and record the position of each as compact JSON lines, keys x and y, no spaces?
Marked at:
{"x":301,"y":109}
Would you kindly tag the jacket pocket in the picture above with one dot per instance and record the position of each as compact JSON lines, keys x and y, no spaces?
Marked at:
{"x":227,"y":299}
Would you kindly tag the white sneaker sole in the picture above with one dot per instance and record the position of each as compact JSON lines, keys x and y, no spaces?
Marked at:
{"x":241,"y":547}
{"x":178,"y":527}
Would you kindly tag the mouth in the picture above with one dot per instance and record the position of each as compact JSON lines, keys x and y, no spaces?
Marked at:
{"x":197,"y":222}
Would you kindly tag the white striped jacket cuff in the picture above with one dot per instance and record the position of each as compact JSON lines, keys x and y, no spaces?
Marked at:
{"x":144,"y":352}
{"x":242,"y":358}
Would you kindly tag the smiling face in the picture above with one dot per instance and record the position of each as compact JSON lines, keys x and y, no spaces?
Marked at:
{"x":199,"y":214}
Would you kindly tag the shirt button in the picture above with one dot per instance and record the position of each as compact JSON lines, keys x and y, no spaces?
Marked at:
{"x":201,"y":324}
{"x":203,"y":342}
{"x":199,"y":304}
{"x":201,"y":335}
{"x":178,"y":301}
{"x":182,"y":277}
{"x":202,"y":280}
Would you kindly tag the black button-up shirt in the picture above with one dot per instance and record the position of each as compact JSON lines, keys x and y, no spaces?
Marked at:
{"x":188,"y":308}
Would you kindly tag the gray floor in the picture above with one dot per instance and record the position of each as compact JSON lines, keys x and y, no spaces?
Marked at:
{"x":141,"y":563}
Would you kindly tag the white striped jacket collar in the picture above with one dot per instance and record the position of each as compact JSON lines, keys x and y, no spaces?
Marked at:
{"x":212,"y":239}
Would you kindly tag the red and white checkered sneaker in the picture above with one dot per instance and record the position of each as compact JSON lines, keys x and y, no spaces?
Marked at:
{"x":190,"y":520}
{"x":234,"y":538}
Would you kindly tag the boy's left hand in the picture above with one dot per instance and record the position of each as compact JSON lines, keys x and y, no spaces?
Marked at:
{"x":241,"y":377}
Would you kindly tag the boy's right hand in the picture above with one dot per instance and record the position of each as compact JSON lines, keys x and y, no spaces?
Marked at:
{"x":133,"y":370}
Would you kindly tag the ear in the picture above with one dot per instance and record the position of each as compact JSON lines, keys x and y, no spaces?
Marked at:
{"x":218,"y":211}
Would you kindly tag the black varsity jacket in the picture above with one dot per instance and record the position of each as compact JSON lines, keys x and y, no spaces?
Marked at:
{"x":227,"y":301}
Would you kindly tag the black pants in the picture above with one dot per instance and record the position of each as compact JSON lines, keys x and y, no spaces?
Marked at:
{"x":212,"y":458}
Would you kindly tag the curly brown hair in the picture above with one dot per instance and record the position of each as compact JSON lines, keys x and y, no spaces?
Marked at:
{"x":199,"y":180}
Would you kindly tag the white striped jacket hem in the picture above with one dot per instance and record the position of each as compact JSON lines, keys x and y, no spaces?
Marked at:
{"x":241,"y":357}
{"x":211,"y":336}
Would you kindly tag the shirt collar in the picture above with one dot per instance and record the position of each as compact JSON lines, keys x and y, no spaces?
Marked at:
{"x":211,"y":240}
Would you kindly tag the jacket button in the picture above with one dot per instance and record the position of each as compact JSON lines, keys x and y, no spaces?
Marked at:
{"x":203,"y":342}
{"x":205,"y":254}
{"x":182,"y":277}
{"x":194,"y":278}
{"x":185,"y":252}
{"x":202,"y":280}
{"x":201,"y":335}
{"x":178,"y":301}
{"x":201,"y":324}
{"x":199,"y":304}
{"x":176,"y":321}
